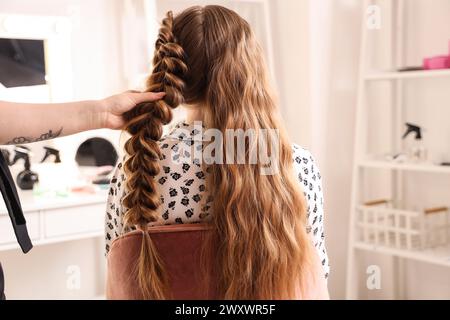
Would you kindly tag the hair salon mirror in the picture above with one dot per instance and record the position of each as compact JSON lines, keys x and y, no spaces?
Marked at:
{"x":99,"y":156}
{"x":96,"y":152}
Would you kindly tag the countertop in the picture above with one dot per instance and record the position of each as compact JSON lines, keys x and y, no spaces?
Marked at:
{"x":31,"y":202}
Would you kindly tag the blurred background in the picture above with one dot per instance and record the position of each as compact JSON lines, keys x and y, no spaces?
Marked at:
{"x":362,"y":84}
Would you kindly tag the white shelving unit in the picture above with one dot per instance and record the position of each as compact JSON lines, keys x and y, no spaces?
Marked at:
{"x":437,"y":255}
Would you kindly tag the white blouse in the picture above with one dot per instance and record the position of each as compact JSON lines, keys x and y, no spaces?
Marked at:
{"x":182,"y":187}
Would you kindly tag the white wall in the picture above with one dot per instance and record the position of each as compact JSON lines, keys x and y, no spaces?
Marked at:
{"x":291,"y":35}
{"x":337,"y":135}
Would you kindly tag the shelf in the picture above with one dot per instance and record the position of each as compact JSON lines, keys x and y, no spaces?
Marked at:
{"x":431,"y":168}
{"x":393,"y":75}
{"x":438,"y":256}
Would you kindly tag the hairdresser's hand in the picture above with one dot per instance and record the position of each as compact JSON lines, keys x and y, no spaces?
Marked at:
{"x":112,"y":108}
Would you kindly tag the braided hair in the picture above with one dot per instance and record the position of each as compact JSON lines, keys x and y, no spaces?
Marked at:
{"x":144,"y":123}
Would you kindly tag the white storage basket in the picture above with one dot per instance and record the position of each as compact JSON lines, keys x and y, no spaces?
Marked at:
{"x":383,"y":223}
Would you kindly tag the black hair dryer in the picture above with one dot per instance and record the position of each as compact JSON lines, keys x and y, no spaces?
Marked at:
{"x":6,"y":156}
{"x":26,"y":178}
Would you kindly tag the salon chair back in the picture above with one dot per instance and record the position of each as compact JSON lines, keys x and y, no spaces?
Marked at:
{"x":179,"y":247}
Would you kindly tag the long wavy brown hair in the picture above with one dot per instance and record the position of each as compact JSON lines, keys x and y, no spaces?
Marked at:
{"x":208,"y":57}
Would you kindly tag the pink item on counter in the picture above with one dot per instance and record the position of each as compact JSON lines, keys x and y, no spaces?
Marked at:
{"x":435,"y":63}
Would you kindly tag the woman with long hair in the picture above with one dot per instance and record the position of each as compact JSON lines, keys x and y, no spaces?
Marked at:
{"x":266,"y":227}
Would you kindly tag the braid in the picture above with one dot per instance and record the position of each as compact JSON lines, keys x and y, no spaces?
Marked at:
{"x":144,"y":123}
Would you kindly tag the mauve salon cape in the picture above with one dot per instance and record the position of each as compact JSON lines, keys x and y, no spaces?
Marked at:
{"x":12,"y":202}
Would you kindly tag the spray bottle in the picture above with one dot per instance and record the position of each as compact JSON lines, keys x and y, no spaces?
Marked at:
{"x":26,"y":178}
{"x":417,"y":151}
{"x":51,"y":152}
{"x":52,"y":174}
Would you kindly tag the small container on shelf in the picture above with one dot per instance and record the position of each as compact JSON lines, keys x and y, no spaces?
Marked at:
{"x":386,"y":223}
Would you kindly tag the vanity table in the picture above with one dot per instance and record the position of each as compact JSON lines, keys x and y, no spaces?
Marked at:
{"x":56,"y":219}
{"x":67,"y":261}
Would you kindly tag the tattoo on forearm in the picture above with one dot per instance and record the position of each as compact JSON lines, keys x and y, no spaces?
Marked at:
{"x":45,"y":136}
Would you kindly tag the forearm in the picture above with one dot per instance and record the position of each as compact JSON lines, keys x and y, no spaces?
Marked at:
{"x":26,"y":123}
